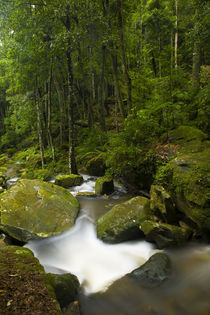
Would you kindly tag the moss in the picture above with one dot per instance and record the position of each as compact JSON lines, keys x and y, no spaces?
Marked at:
{"x":38,"y":207}
{"x":104,"y":185}
{"x":23,"y":282}
{"x":68,"y":180}
{"x":122,"y":221}
{"x":186,"y":176}
{"x":66,"y":287}
{"x":163,"y":234}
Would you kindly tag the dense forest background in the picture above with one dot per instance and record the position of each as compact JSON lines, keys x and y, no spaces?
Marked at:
{"x":100,"y":80}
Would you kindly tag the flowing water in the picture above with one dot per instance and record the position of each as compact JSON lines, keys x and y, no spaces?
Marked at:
{"x":97,"y":265}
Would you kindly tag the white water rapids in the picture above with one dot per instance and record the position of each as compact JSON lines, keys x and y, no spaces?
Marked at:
{"x":78,"y":251}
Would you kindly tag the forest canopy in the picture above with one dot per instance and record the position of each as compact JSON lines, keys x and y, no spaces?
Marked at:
{"x":86,"y":79}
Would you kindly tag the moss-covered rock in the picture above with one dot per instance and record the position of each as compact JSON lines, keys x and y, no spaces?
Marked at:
{"x":1,"y":189}
{"x":33,"y":208}
{"x":104,"y":185}
{"x":162,"y":204}
{"x":186,"y":176}
{"x":121,"y":223}
{"x":66,"y":287}
{"x":68,"y":180}
{"x":88,"y":194}
{"x":163,"y":234}
{"x":154,"y":272}
{"x":3,"y":181}
{"x":96,"y":167}
{"x":24,"y":285}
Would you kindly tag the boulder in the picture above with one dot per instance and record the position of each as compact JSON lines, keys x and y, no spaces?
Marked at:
{"x":88,"y":194}
{"x":186,"y":177}
{"x":104,"y":185}
{"x":154,"y":272}
{"x":33,"y":209}
{"x":3,"y":183}
{"x":1,"y":189}
{"x":121,"y":223}
{"x":68,"y":180}
{"x":162,"y":204}
{"x":96,"y":167}
{"x":66,"y":287}
{"x":163,"y":234}
{"x":24,"y":285}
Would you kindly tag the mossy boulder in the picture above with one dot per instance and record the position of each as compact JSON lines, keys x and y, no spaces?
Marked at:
{"x":163,"y":234}
{"x":24,"y":285}
{"x":154,"y":272}
{"x":33,"y":208}
{"x":1,"y":189}
{"x":3,"y":183}
{"x":162,"y":205}
{"x":68,"y":180}
{"x":66,"y":287}
{"x":88,"y":194}
{"x":96,"y":167}
{"x":186,"y":176}
{"x":104,"y":185}
{"x":121,"y":223}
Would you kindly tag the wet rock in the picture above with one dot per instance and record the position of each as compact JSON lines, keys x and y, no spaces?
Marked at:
{"x":24,"y":286}
{"x":163,"y":234}
{"x":186,"y":177}
{"x":1,"y":189}
{"x":33,"y":208}
{"x":162,"y":204}
{"x":154,"y":272}
{"x":73,"y":309}
{"x":3,"y":183}
{"x":66,"y":287}
{"x":68,"y":180}
{"x":121,"y":223}
{"x":96,"y":167}
{"x":88,"y":194}
{"x":104,"y":185}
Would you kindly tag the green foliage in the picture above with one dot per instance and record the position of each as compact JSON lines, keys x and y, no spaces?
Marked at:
{"x":92,"y":145}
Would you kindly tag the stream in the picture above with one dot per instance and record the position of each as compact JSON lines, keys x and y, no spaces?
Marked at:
{"x":97,"y":265}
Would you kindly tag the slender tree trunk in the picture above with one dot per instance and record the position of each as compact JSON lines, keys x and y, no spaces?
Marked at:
{"x":39,"y":125}
{"x":117,"y":87}
{"x":141,"y":36}
{"x":176,"y":37}
{"x":49,"y":107}
{"x":61,"y":110}
{"x":101,"y":104}
{"x":123,"y":56}
{"x":196,"y":64}
{"x":70,"y":106}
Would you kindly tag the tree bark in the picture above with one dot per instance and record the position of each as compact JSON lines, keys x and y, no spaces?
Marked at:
{"x":70,"y":105}
{"x":101,"y":104}
{"x":39,"y":125}
{"x":123,"y":56}
{"x":117,"y":87}
{"x":176,"y":37}
{"x":49,"y":106}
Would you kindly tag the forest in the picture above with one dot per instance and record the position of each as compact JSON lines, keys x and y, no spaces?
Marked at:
{"x":100,"y":79}
{"x":117,"y":90}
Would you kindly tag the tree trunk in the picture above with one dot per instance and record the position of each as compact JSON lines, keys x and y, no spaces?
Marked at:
{"x":123,"y":56}
{"x":61,"y":111}
{"x":101,"y":104}
{"x":176,"y":37}
{"x":49,"y":106}
{"x":117,"y":87}
{"x":196,"y":63}
{"x":70,"y":106}
{"x":39,"y":125}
